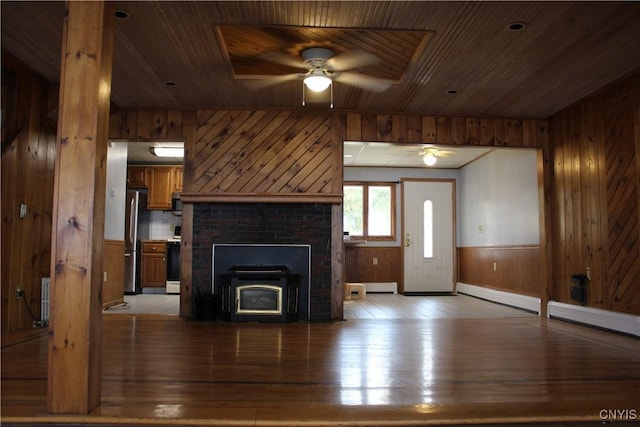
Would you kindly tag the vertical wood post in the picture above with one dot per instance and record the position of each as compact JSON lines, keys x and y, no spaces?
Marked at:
{"x":75,"y":330}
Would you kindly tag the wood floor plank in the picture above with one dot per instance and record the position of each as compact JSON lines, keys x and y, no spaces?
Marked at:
{"x":441,"y":369}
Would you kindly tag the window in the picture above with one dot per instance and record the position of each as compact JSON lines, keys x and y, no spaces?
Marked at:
{"x":428,"y":228}
{"x":369,"y":210}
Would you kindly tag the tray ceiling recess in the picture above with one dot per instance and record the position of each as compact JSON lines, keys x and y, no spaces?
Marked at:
{"x":274,"y":53}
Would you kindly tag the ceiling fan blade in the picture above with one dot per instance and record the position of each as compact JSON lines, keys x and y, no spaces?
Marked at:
{"x":360,"y":80}
{"x":282,"y":59}
{"x":351,"y":60}
{"x":270,"y":81}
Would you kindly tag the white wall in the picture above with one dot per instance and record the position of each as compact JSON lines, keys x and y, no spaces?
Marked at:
{"x":115,"y":191}
{"x":498,"y":199}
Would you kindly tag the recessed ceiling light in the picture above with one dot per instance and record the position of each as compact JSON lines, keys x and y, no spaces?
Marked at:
{"x":122,"y":14}
{"x":517,"y":26}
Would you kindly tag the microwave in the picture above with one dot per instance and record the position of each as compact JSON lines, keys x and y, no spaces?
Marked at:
{"x":176,"y":203}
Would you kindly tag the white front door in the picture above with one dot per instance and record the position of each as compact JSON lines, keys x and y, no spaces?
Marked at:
{"x":428,"y":236}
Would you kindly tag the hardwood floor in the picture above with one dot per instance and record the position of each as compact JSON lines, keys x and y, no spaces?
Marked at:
{"x":461,"y":366}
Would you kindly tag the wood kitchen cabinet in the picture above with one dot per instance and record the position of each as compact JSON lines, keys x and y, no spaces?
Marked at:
{"x":160,"y":188}
{"x":177,"y":178}
{"x":153,"y":269}
{"x":137,"y":177}
{"x":162,"y":182}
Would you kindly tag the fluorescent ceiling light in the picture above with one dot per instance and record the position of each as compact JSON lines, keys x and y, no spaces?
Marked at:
{"x":429,"y":159}
{"x":168,"y":151}
{"x":316,"y":81}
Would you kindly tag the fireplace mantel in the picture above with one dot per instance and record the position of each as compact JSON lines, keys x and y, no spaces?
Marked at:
{"x":261,"y":198}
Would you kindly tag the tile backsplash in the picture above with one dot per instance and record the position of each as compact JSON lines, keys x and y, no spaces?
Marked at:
{"x":157,"y":225}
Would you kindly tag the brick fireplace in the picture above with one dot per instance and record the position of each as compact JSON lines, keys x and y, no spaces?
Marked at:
{"x":267,"y":224}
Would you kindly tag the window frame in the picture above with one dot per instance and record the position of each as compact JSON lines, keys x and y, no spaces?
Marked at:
{"x":365,"y":208}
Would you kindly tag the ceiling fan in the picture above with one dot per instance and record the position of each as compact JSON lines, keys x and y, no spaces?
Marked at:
{"x":322,"y":68}
{"x":430,"y":155}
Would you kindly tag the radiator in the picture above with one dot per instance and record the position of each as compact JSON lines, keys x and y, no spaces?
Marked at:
{"x":507,"y":298}
{"x":620,"y":322}
{"x":44,"y":298}
{"x":381,"y":287}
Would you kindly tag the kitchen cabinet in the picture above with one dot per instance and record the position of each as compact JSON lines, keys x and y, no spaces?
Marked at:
{"x":137,"y":177}
{"x":153,"y":269}
{"x":177,"y":178}
{"x":162,"y":182}
{"x":160,"y":187}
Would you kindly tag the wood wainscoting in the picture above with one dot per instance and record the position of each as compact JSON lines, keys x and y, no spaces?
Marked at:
{"x":113,"y":286}
{"x":517,"y":268}
{"x":373,"y":264}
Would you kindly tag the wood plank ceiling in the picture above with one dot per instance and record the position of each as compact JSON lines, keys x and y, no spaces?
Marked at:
{"x":566,"y":51}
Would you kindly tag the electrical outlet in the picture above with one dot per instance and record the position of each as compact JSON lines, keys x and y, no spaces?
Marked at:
{"x":375,"y":261}
{"x":19,"y":293}
{"x":495,"y":266}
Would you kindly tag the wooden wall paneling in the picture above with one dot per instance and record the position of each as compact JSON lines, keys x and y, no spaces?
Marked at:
{"x":514,"y":133}
{"x":399,"y":128}
{"x":27,"y":164}
{"x":338,"y":129}
{"x":160,"y":124}
{"x":596,"y":209}
{"x":369,"y":127}
{"x":115,"y":124}
{"x":429,"y":129}
{"x":414,"y":128}
{"x":501,"y":133}
{"x":384,"y":128}
{"x":354,"y":127}
{"x":253,"y":171}
{"x":174,"y":124}
{"x":577,"y":262}
{"x":623,"y":210}
{"x":472,"y":131}
{"x":359,"y":266}
{"x":144,"y":125}
{"x":588,"y":180}
{"x":545,"y":166}
{"x":598,"y":194}
{"x":316,"y":142}
{"x":487,"y":132}
{"x":517,"y":268}
{"x":113,"y":286}
{"x":458,"y":130}
{"x":443,"y":130}
{"x":215,"y":153}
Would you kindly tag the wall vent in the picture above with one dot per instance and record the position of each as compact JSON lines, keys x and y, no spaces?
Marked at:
{"x":44,"y":295}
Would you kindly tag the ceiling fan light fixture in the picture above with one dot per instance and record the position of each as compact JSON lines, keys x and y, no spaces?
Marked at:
{"x":168,"y":151}
{"x":317,"y":82}
{"x":429,"y":159}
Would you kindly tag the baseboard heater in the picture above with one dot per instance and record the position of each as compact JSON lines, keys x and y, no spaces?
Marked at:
{"x":507,"y":298}
{"x":373,"y":287}
{"x":605,"y":319}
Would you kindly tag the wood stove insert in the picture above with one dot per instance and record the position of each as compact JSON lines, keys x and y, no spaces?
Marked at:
{"x":260,"y":293}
